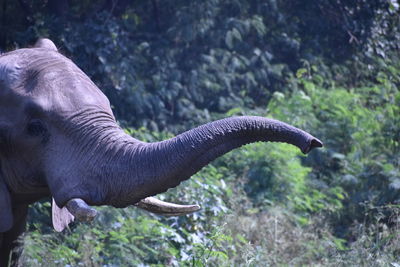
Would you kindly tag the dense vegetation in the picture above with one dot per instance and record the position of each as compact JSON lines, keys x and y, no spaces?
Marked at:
{"x":330,"y":67}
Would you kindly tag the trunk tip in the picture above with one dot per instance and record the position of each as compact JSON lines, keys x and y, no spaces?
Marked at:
{"x":313,"y":143}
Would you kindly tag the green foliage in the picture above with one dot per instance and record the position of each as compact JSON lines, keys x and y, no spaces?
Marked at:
{"x":361,"y":155}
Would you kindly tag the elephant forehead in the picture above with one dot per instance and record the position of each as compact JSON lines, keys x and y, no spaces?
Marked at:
{"x":10,"y":71}
{"x":49,"y":78}
{"x":63,"y":84}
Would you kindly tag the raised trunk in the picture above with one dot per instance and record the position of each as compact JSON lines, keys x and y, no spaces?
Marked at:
{"x":152,"y":168}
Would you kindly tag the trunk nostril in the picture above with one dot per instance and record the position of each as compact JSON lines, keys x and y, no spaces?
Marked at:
{"x":313,"y":144}
{"x":316,"y":143}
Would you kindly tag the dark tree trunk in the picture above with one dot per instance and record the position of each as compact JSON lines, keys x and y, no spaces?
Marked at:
{"x":58,"y":8}
{"x":27,"y":10}
{"x":156,"y":15}
{"x":3,"y":31}
{"x":116,"y":7}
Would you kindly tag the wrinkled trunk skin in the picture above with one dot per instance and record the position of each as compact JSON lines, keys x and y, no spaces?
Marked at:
{"x":146,"y":169}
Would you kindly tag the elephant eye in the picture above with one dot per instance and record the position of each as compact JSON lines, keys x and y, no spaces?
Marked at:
{"x":36,"y":128}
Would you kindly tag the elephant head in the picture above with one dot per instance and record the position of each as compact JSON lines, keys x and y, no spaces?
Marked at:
{"x":59,"y":138}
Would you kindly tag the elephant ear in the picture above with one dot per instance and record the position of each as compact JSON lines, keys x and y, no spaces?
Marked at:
{"x":45,"y":43}
{"x":6,"y":216}
{"x":61,"y":217}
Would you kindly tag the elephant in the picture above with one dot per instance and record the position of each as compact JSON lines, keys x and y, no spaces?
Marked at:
{"x":60,"y":139}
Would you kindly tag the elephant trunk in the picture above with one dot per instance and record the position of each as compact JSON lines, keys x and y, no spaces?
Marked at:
{"x":156,"y":167}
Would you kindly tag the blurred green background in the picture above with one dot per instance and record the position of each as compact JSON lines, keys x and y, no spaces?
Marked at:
{"x":329,"y":67}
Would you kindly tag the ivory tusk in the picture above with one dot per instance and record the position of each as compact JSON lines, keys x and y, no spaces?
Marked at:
{"x":157,"y":206}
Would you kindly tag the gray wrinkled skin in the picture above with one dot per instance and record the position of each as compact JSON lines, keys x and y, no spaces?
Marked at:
{"x":59,"y":138}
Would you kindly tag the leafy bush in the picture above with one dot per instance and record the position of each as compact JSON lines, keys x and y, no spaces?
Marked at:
{"x":360,"y":155}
